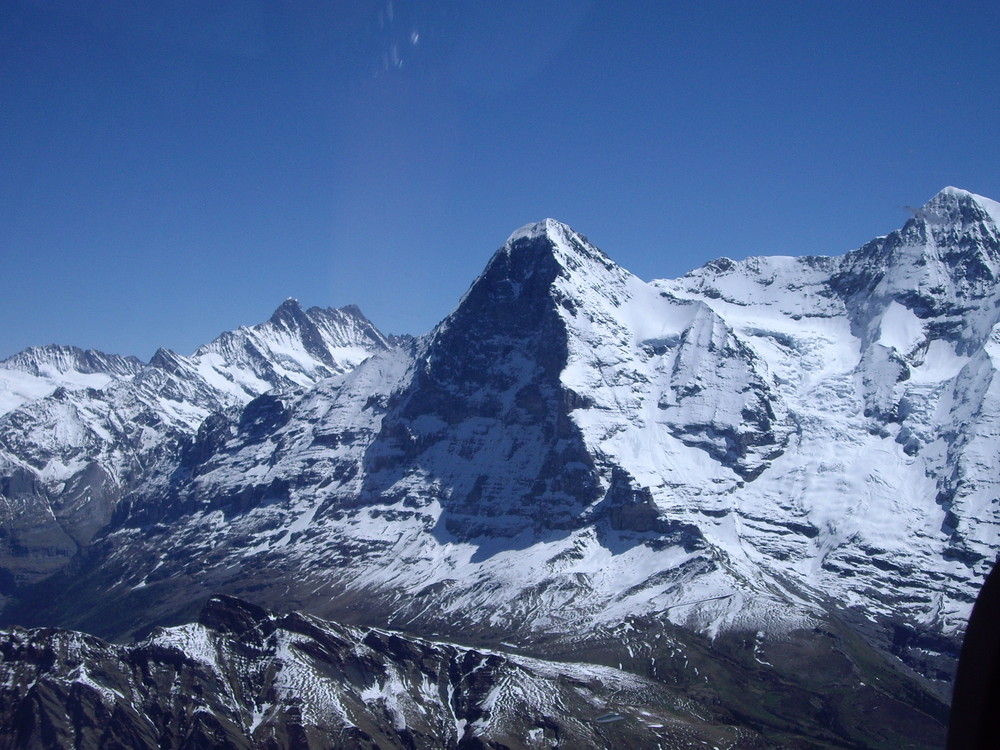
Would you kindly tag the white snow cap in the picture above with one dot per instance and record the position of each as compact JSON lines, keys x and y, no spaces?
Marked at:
{"x":952,"y":194}
{"x":952,"y":190}
{"x":544,"y":228}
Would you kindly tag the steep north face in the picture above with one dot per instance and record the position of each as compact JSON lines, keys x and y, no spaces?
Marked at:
{"x":711,"y":481}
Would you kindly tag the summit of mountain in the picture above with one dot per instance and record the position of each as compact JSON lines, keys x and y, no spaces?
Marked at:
{"x":759,"y":460}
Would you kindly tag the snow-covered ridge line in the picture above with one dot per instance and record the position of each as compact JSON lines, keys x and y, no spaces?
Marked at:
{"x":83,"y":428}
{"x":534,"y":230}
{"x":294,"y":347}
{"x":775,"y":446}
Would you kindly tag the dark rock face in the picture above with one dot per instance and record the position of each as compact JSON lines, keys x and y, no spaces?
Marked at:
{"x":211,"y":437}
{"x":246,"y":678}
{"x":262,"y":416}
{"x":669,"y":476}
{"x":486,"y":413}
{"x":631,"y":508}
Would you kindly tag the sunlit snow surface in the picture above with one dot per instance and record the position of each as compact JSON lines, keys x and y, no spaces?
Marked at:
{"x":87,"y":427}
{"x":835,"y":496}
{"x":829,"y":426}
{"x":38,"y":371}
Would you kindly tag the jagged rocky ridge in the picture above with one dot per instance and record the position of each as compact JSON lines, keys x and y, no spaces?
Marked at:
{"x":777,"y":446}
{"x":244,"y":677}
{"x":80,"y":430}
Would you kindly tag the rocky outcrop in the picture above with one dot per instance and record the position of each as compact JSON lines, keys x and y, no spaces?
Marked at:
{"x":770,"y":446}
{"x":243,"y":677}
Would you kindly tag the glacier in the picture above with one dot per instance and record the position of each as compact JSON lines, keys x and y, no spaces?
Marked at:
{"x":717,"y":464}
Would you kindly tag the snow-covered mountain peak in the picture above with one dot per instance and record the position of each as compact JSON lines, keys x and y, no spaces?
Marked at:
{"x":963,"y":228}
{"x":956,"y":206}
{"x":288,"y":311}
{"x":54,"y":360}
{"x":943,"y":261}
{"x":354,"y":311}
{"x":534,"y":230}
{"x":552,"y":245}
{"x":166,"y":359}
{"x":40,"y":370}
{"x":553,"y":239}
{"x":295,"y":347}
{"x":524,"y":271}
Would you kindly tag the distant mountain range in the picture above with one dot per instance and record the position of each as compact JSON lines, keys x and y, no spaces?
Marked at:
{"x":764,"y":495}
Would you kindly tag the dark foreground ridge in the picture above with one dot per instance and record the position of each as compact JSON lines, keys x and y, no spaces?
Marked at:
{"x":243,"y":677}
{"x":762,"y":494}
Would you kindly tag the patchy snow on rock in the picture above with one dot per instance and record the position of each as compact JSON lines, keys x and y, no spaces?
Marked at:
{"x":756,"y":447}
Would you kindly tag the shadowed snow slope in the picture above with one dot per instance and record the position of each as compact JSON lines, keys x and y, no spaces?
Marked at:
{"x":771,"y":451}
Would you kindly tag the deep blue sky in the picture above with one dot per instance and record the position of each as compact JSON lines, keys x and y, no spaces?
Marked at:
{"x":172,"y":170}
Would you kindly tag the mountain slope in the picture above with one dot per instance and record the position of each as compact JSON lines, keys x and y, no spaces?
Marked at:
{"x":39,"y":370}
{"x":760,"y":461}
{"x":96,"y":426}
{"x":888,"y":374}
{"x":243,"y":677}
